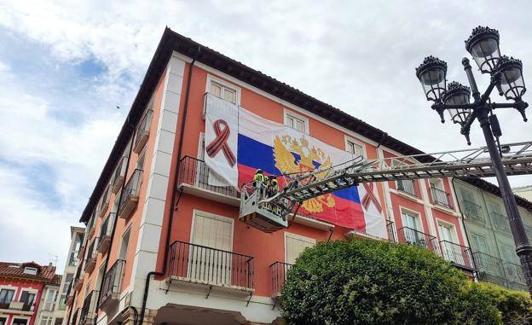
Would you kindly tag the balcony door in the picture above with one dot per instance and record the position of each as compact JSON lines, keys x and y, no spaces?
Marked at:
{"x":451,"y":251}
{"x":210,"y":257}
{"x":412,"y":228}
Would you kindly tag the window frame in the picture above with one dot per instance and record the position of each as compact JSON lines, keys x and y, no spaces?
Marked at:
{"x":349,"y":139}
{"x":417,"y":214}
{"x":296,"y":237}
{"x":291,"y":114}
{"x":453,"y":230}
{"x":9,"y":288}
{"x":224,"y":84}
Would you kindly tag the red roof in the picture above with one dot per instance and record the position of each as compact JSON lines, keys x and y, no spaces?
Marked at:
{"x":16,"y":270}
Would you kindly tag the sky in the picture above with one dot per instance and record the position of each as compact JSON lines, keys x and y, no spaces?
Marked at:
{"x":69,"y":71}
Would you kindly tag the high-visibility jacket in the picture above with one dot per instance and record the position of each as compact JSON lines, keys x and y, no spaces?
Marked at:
{"x":259,"y":178}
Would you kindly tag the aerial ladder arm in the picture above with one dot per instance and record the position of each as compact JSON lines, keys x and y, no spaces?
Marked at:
{"x":269,"y":213}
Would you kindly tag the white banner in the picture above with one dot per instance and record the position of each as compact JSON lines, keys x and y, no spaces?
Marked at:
{"x":221,"y":141}
{"x":373,"y":210}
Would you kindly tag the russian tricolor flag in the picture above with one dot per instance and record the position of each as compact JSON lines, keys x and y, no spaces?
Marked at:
{"x":277,"y":150}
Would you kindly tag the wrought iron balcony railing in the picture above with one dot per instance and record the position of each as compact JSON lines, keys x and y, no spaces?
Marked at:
{"x":514,"y":274}
{"x":87,"y":314}
{"x":92,"y":253}
{"x":416,"y":237}
{"x":143,"y":131}
{"x":457,"y":254}
{"x":406,"y":186}
{"x":487,"y":264}
{"x":106,"y":232}
{"x":119,"y":174}
{"x":279,"y":271}
{"x":440,"y":197}
{"x":205,"y":265}
{"x":130,"y":195}
{"x":112,"y":283}
{"x":195,"y":172}
{"x":472,"y":210}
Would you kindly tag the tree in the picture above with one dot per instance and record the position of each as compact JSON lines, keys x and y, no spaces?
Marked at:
{"x":375,"y":282}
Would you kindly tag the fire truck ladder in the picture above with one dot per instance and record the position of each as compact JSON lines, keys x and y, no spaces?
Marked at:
{"x":269,"y":213}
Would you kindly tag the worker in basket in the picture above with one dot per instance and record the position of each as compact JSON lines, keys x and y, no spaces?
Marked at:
{"x":273,"y":186}
{"x":259,"y":181}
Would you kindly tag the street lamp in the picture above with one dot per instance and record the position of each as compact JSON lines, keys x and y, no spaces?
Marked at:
{"x":506,"y":75}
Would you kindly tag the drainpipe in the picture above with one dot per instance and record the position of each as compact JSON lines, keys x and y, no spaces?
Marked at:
{"x":173,"y":201}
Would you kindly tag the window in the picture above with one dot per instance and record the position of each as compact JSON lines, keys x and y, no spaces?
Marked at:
{"x":354,"y":148}
{"x":213,"y":231}
{"x":479,"y":243}
{"x":124,"y":244}
{"x":19,"y":321}
{"x":140,"y":160}
{"x":295,"y":245}
{"x":223,"y":91}
{"x":30,"y":270}
{"x":68,"y":280}
{"x":412,"y":230}
{"x":406,"y":186}
{"x":6,"y":296}
{"x":3,"y":321}
{"x":49,"y":299}
{"x":27,"y":298}
{"x":46,"y":320}
{"x":446,"y":232}
{"x":295,"y":122}
{"x":99,"y":279}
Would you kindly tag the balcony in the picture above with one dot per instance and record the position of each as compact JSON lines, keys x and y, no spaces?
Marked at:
{"x":459,"y":255}
{"x":105,"y":233}
{"x":92,"y":253}
{"x":143,"y":131}
{"x":500,"y":221}
{"x":130,"y":195}
{"x":418,"y":238}
{"x":112,"y":283}
{"x":406,"y":186}
{"x":489,"y":268}
{"x":472,"y":211}
{"x":103,"y":204}
{"x":204,"y":266}
{"x":440,"y":197}
{"x":514,"y":276}
{"x":119,"y":175}
{"x":88,"y":311}
{"x":194,"y":179}
{"x":17,"y":305}
{"x":279,"y":271}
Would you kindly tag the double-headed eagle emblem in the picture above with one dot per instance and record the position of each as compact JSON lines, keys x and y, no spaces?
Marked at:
{"x":286,"y":150}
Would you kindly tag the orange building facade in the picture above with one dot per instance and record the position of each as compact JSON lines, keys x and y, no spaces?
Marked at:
{"x":163,"y":245}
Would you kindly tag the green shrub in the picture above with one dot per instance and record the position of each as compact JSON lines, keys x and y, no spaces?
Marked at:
{"x":372,"y":282}
{"x":515,"y":307}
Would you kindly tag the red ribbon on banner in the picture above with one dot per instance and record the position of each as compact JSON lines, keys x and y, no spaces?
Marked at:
{"x":370,"y":197}
{"x":220,"y":143}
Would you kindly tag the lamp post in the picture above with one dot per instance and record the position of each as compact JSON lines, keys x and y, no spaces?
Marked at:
{"x":507,"y":76}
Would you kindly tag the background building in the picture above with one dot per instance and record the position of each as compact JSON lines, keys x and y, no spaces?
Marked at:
{"x":489,"y":232}
{"x":164,"y":241}
{"x":524,"y":192}
{"x":22,"y":287}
